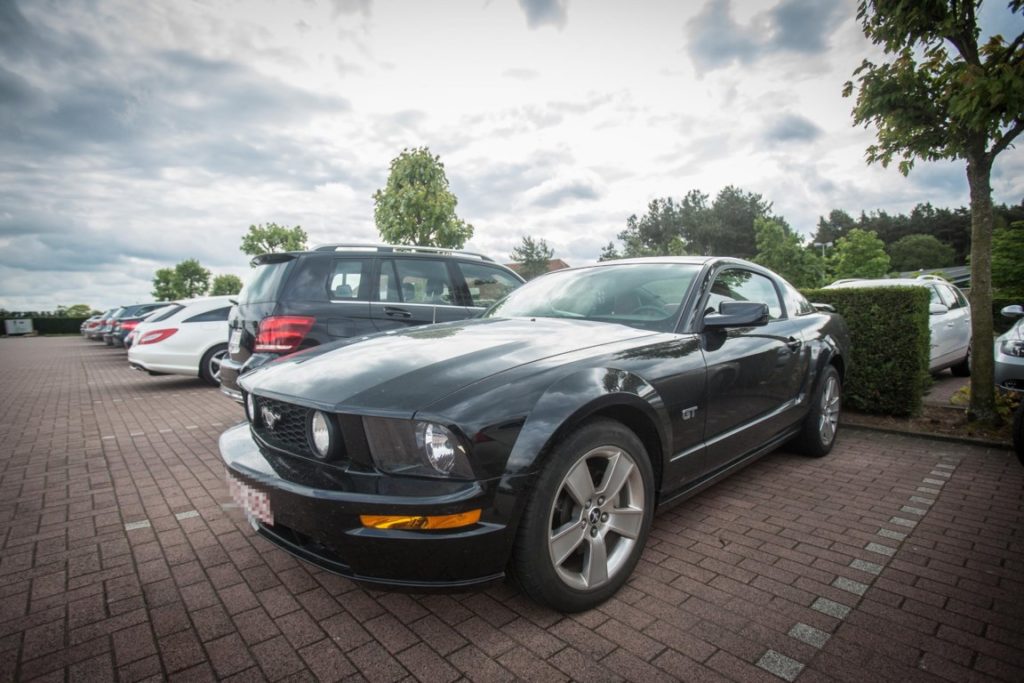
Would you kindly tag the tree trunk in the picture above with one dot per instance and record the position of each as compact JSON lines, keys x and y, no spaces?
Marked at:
{"x":982,"y":406}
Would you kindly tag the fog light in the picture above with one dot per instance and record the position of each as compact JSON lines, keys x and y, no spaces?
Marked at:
{"x":320,"y":430}
{"x":420,"y":521}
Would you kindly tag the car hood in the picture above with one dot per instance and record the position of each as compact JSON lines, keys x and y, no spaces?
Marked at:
{"x":1015,"y":333}
{"x":398,"y":373}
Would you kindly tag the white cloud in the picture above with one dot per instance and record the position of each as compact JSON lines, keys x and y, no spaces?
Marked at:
{"x":134,"y":135}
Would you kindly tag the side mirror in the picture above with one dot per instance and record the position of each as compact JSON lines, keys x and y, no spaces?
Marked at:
{"x":824,"y":308}
{"x":737,"y":314}
{"x":1014,"y":311}
{"x":938,"y":309}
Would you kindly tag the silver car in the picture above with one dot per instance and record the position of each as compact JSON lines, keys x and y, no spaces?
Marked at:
{"x":1009,"y":352}
{"x":949,"y":322}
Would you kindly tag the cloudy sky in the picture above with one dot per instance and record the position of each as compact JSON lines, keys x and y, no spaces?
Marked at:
{"x":137,"y":134}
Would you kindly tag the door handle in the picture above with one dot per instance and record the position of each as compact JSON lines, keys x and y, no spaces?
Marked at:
{"x":794,"y":344}
{"x":397,"y":312}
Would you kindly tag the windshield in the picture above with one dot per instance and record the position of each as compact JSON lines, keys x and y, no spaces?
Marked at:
{"x":644,"y":295}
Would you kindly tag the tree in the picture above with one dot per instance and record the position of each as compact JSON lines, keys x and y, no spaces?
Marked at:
{"x":265,"y":239}
{"x":78,"y":311}
{"x":191,"y":278}
{"x":226,"y":284}
{"x":941,"y":95}
{"x":859,"y":254}
{"x":416,"y":206}
{"x":609,"y":253}
{"x":780,"y":249}
{"x":532,"y":256}
{"x":835,"y":226}
{"x":915,"y":252}
{"x":659,"y":232}
{"x":165,"y":285}
{"x":1008,"y":258}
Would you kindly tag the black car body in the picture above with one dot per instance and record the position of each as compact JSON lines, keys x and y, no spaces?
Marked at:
{"x":674,"y":372}
{"x":115,"y":331}
{"x":298,"y":300}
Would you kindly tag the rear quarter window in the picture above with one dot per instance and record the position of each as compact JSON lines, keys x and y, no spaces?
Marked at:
{"x":216,"y":315}
{"x":265,"y":282}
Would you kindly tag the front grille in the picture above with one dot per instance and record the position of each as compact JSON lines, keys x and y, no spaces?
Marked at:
{"x":289,"y":425}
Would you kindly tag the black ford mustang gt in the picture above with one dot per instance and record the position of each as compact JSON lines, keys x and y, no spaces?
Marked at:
{"x":539,"y":438}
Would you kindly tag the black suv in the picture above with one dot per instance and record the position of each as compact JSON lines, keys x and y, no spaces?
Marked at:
{"x":300,"y":299}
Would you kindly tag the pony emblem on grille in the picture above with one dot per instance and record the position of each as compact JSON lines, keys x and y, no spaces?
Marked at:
{"x":270,"y":418}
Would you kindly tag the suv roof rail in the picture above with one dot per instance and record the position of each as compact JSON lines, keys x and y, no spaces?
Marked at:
{"x":391,"y":248}
{"x":930,"y":276}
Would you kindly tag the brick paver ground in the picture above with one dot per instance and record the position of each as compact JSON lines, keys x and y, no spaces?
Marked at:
{"x":893,"y":559}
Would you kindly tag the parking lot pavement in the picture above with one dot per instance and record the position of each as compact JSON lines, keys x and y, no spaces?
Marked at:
{"x":894,"y":558}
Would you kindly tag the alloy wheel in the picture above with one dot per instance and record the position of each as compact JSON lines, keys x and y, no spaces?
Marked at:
{"x":596,"y":518}
{"x":829,"y":418}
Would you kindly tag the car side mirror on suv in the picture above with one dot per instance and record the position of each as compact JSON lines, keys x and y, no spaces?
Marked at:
{"x":938,"y":309}
{"x":737,"y":314}
{"x":1013,"y":311}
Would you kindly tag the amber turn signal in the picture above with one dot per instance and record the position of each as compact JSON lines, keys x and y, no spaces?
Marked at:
{"x":420,"y":521}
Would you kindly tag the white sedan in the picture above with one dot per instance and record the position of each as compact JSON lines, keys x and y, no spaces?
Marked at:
{"x":192,"y":340}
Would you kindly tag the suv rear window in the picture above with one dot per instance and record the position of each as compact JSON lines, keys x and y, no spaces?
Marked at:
{"x":264,"y":282}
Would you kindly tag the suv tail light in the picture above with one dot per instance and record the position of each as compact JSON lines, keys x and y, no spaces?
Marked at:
{"x":282,"y":333}
{"x":130,"y":325}
{"x":157,"y":336}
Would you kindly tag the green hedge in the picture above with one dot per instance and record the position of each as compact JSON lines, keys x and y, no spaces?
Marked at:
{"x":888,"y":371}
{"x":56,"y":325}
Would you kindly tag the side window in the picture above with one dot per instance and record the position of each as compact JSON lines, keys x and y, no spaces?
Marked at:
{"x":347,"y":282}
{"x":796,"y":304}
{"x":486,"y":284}
{"x":744,"y":285}
{"x":934,"y":297}
{"x":954,"y":296}
{"x":216,"y":315}
{"x":419,"y":281}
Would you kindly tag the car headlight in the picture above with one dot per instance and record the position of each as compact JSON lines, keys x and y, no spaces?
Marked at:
{"x":1012,"y":347}
{"x":416,"y":448}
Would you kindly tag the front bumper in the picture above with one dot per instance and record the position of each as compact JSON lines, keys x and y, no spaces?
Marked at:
{"x":316,"y":512}
{"x":1009,"y":371}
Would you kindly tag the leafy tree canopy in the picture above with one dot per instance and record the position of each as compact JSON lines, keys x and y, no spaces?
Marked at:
{"x":532,"y":256}
{"x":226,"y":284}
{"x":265,"y":239}
{"x":779,"y":249}
{"x":78,"y":311}
{"x":859,"y":254}
{"x":416,"y":206}
{"x":915,"y":252}
{"x":165,"y":285}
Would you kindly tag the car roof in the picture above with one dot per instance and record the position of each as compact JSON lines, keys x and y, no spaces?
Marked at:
{"x":884,"y":282}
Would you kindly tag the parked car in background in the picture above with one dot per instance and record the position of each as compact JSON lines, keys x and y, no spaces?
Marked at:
{"x":114,"y":333}
{"x":1009,"y":353}
{"x":540,"y":437}
{"x":949,"y":321}
{"x":298,"y":300}
{"x":84,"y":327}
{"x":191,"y":340}
{"x":96,"y":328}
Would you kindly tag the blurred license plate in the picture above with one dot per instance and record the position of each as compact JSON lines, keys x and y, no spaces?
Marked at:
{"x":255,"y":504}
{"x":234,"y":341}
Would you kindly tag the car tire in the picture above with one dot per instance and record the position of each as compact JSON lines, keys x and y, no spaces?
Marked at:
{"x":1018,"y":432}
{"x":209,"y":366}
{"x":963,"y":368}
{"x":586,"y":522}
{"x":818,"y":433}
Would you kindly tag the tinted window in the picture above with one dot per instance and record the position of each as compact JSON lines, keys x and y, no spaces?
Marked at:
{"x":264,"y":282}
{"x":486,"y":284}
{"x":796,"y":303}
{"x":952,"y":297}
{"x":347,"y":282}
{"x":743,"y":285}
{"x":933,"y":296}
{"x":163,"y":313}
{"x":639,"y":295}
{"x":415,"y":281}
{"x":216,"y":315}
